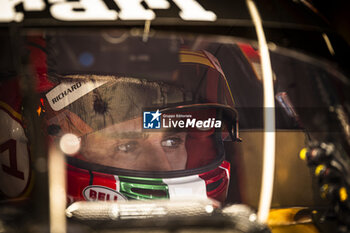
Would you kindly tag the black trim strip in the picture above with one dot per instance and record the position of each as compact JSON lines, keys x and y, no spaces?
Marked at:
{"x":91,"y":177}
{"x":214,"y":185}
{"x":149,"y":182}
{"x":151,"y":192}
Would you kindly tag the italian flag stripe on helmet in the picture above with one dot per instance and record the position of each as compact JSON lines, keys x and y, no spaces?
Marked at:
{"x":186,"y":187}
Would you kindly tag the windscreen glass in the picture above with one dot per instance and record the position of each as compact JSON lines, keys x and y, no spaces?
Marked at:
{"x":116,"y":100}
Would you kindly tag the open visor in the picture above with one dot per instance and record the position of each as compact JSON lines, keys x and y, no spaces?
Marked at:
{"x":117,"y":129}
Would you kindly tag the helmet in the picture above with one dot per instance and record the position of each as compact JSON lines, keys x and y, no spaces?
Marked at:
{"x":146,"y":124}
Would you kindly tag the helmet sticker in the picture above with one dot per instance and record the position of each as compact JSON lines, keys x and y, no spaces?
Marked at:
{"x":101,"y":193}
{"x":66,"y":93}
{"x":186,"y":187}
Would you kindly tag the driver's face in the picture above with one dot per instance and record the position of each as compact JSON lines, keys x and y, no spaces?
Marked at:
{"x":124,"y":145}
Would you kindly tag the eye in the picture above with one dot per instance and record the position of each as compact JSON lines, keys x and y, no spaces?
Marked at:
{"x":173,"y":142}
{"x":127,"y":147}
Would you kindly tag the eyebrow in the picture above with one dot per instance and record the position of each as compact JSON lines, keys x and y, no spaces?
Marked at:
{"x":136,"y":134}
{"x":168,"y":133}
{"x":129,"y":135}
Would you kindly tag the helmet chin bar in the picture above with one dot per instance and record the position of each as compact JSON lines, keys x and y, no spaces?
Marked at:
{"x":94,"y":182}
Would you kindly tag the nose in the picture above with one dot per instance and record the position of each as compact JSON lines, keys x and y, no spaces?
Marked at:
{"x":155,"y":158}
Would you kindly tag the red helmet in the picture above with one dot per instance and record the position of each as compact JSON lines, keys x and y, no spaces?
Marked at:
{"x":151,"y":126}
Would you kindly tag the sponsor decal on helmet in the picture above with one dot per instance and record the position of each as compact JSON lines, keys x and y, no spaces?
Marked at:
{"x":101,"y":193}
{"x":74,"y":87}
{"x":187,"y":187}
{"x":66,"y":93}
